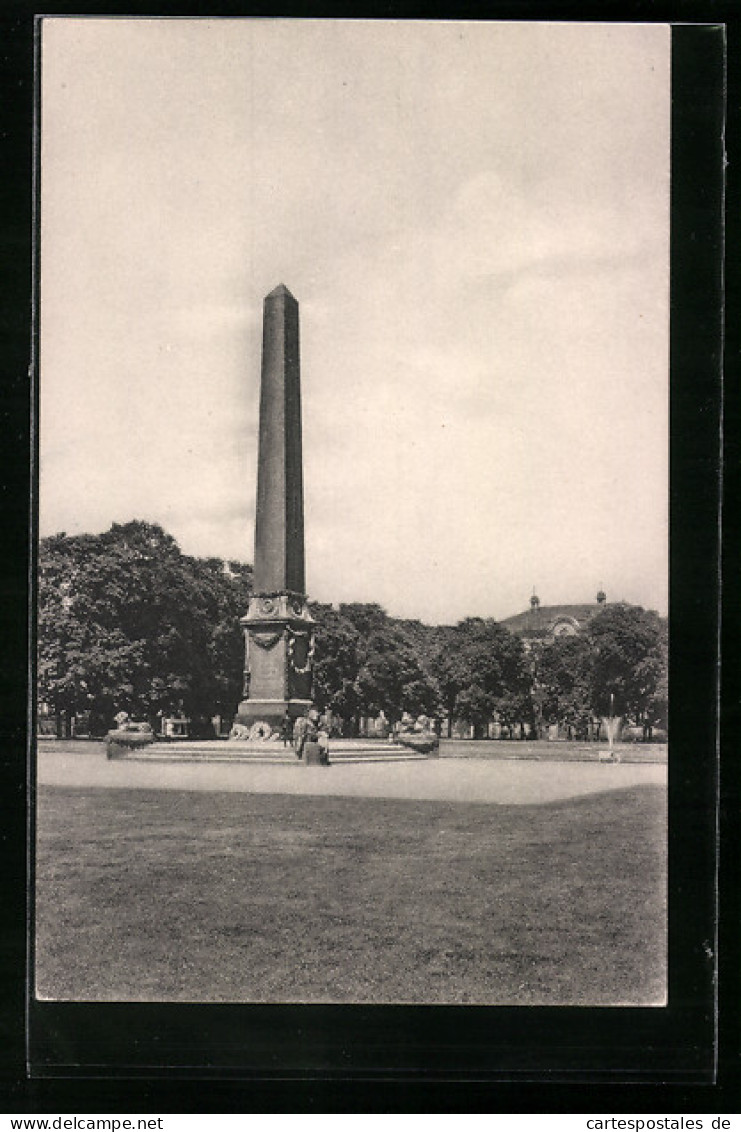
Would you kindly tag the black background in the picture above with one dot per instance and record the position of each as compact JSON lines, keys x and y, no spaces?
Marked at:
{"x":427,"y":1059}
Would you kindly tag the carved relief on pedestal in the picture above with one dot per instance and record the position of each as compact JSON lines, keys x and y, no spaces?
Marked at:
{"x":300,"y":649}
{"x":282,"y":605}
{"x":266,"y":640}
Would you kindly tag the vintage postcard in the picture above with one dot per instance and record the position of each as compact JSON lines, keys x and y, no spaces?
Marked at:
{"x":353,"y":513}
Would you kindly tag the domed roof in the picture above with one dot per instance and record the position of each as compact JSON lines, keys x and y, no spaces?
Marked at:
{"x":539,"y":621}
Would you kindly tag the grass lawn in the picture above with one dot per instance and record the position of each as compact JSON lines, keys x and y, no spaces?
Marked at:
{"x":187,"y":896}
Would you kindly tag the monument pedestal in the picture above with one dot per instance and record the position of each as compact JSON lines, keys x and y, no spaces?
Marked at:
{"x":270,"y":712}
{"x":279,"y":645}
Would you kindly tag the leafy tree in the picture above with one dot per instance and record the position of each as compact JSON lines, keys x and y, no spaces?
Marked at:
{"x":366,"y":618}
{"x":126,"y":621}
{"x":336,"y":661}
{"x":391,"y":677}
{"x":656,"y":712}
{"x":563,"y":682}
{"x":481,"y":669}
{"x":618,"y":664}
{"x":366,"y":661}
{"x":629,"y":662}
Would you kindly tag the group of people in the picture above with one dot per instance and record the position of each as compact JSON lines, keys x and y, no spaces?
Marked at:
{"x":315,"y":728}
{"x":310,"y":728}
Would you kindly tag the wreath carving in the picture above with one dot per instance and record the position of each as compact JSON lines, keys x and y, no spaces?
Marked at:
{"x":266,"y":640}
{"x":260,"y":731}
{"x":239,"y":731}
{"x":300,"y":669}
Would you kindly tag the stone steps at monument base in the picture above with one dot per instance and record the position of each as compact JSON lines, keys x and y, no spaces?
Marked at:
{"x":231,"y":752}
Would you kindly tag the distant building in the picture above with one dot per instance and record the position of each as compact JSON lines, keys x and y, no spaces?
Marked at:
{"x":543,"y":623}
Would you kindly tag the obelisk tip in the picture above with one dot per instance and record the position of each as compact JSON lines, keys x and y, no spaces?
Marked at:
{"x":279,"y":292}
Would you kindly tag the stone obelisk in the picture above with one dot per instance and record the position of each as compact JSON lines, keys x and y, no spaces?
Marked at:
{"x":278,"y":628}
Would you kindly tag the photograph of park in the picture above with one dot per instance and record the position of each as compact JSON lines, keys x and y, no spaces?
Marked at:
{"x":353,"y":462}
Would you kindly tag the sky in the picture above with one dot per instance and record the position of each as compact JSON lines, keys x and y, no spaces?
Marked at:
{"x":474,"y":219}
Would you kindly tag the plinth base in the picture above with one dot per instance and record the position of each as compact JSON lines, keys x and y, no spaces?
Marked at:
{"x":272,"y":712}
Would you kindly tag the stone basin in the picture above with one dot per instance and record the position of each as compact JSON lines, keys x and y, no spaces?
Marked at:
{"x":119,"y":742}
{"x":425,"y":743}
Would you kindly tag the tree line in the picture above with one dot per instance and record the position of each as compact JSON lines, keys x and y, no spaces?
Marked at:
{"x":126,"y":621}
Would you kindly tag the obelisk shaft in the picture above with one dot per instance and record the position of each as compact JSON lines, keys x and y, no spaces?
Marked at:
{"x":279,"y":518}
{"x":278,"y":627}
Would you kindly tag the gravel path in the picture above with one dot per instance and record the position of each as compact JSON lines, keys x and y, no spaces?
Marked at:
{"x":465,"y":780}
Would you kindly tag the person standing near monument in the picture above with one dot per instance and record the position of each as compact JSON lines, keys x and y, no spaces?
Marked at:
{"x":300,"y":731}
{"x":324,"y":726}
{"x":316,"y":743}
